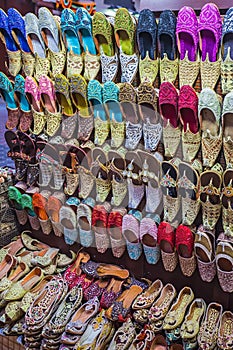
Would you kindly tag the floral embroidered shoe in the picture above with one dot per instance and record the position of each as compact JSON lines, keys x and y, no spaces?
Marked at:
{"x":167,"y":46}
{"x":187,"y":42}
{"x":166,"y":240}
{"x":160,"y":307}
{"x":124,"y":336}
{"x":227,"y":213}
{"x":74,"y":58}
{"x":62,"y":89}
{"x":54,"y":205}
{"x":146,"y":299}
{"x":84,"y":215}
{"x":148,"y":237}
{"x":111,"y":293}
{"x":26,"y":114}
{"x":225,"y":331}
{"x":204,"y":247}
{"x":184,"y":247}
{"x":73,"y":275}
{"x":209,"y":39}
{"x":210,"y":191}
{"x":224,"y":259}
{"x":188,"y":110}
{"x":49,"y":29}
{"x":227,"y":55}
{"x":188,"y":189}
{"x":152,"y":128}
{"x":101,"y":121}
{"x":146,"y":38}
{"x":125,"y":28}
{"x":103,"y":37}
{"x":208,"y":334}
{"x":14,"y":55}
{"x":209,"y":109}
{"x":117,"y":124}
{"x":175,"y":315}
{"x":128,"y":99}
{"x":191,"y":325}
{"x":99,"y":226}
{"x":227,"y":129}
{"x":131,"y":233}
{"x":7,"y":92}
{"x":114,"y":225}
{"x":68,"y":221}
{"x":169,"y":185}
{"x":168,"y":105}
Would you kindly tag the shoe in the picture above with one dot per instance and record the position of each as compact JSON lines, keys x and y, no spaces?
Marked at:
{"x":117,"y":166}
{"x":131,"y":234}
{"x":26,"y":201}
{"x":104,"y":41}
{"x":12,"y":248}
{"x":79,"y":321}
{"x":101,"y":270}
{"x":209,"y":37}
{"x":210,"y":113}
{"x":111,"y":293}
{"x":169,"y":63}
{"x":124,"y":336}
{"x":227,"y":218}
{"x":225,"y":331}
{"x":67,"y":219}
{"x":14,"y":55}
{"x":73,"y":273}
{"x":125,"y":31}
{"x":148,"y":238}
{"x":100,"y":171}
{"x":147,"y":105}
{"x":7,"y":92}
{"x":39,"y":202}
{"x":114,"y":227}
{"x":224,"y":256}
{"x":6,"y":265}
{"x":166,"y":240}
{"x":99,"y":226}
{"x":84,"y":215}
{"x":210,"y":191}
{"x":147,"y":40}
{"x":187,"y":42}
{"x":227,"y":55}
{"x":55,"y":202}
{"x":21,"y":287}
{"x":207,"y":337}
{"x":184,"y":247}
{"x":188,"y":110}
{"x":168,"y":105}
{"x":45,"y":257}
{"x":95,"y":290}
{"x":175,"y":316}
{"x":144,"y":339}
{"x":26,"y":114}
{"x":62,"y":88}
{"x":191,"y":325}
{"x":226,"y":129}
{"x":146,"y":299}
{"x":13,"y":275}
{"x":159,"y":342}
{"x":204,"y":247}
{"x":121,"y":306}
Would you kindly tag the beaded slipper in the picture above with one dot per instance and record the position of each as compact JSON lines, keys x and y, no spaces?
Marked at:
{"x":100,"y":171}
{"x":124,"y":336}
{"x":148,"y":237}
{"x":99,"y":226}
{"x":84,"y":215}
{"x":146,"y":299}
{"x":117,"y":165}
{"x":226,"y":199}
{"x":184,"y":247}
{"x":26,"y":115}
{"x":227,"y":129}
{"x":114,"y":225}
{"x":62,"y":88}
{"x":224,"y":263}
{"x":7,"y":92}
{"x":166,"y":241}
{"x":225,"y":331}
{"x":73,"y":273}
{"x":68,"y":221}
{"x":131,"y":233}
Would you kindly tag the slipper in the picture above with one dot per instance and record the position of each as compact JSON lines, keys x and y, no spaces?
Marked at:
{"x":226,"y":200}
{"x":73,"y":275}
{"x":17,"y":28}
{"x":83,"y":26}
{"x":54,"y":205}
{"x":104,"y":41}
{"x":224,"y":263}
{"x":69,"y":164}
{"x":125,"y":30}
{"x":68,"y":220}
{"x":34,"y":38}
{"x":167,"y":35}
{"x":26,"y":116}
{"x":48,"y":29}
{"x":32,"y":244}
{"x":188,"y":111}
{"x":117,"y":124}
{"x":117,"y":166}
{"x":14,"y":55}
{"x":147,"y":34}
{"x":209,"y":117}
{"x":27,"y":147}
{"x":62,"y":89}
{"x":86,"y":178}
{"x":69,"y":31}
{"x":12,"y":248}
{"x":99,"y":226}
{"x":12,"y":141}
{"x":26,"y":201}
{"x":227,"y":129}
{"x":7,"y":92}
{"x":44,"y":257}
{"x":148,"y":238}
{"x":147,"y":105}
{"x":131,"y":233}
{"x":84,"y":216}
{"x":184,"y":247}
{"x":227,"y":52}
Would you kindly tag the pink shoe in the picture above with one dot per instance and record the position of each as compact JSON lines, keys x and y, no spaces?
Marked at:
{"x":148,"y":237}
{"x":33,"y":93}
{"x":131,"y":233}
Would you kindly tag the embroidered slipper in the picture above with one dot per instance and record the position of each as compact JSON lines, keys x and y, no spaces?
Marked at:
{"x":15,"y":198}
{"x":7,"y":92}
{"x":115,"y":231}
{"x":227,"y":52}
{"x":48,"y":29}
{"x":73,"y":275}
{"x":117,"y":166}
{"x":14,"y":55}
{"x":152,"y":128}
{"x":62,"y":88}
{"x":127,"y":329}
{"x":226,"y":200}
{"x":225,"y":333}
{"x":184,"y":247}
{"x":12,"y":141}
{"x":99,"y":226}
{"x":188,"y":110}
{"x":117,"y":124}
{"x":224,"y":263}
{"x":26,"y":201}
{"x":54,"y":205}
{"x":227,"y":129}
{"x":104,"y":41}
{"x":70,"y":163}
{"x":26,"y":116}
{"x":209,"y":108}
{"x":101,"y":122}
{"x":128,"y":99}
{"x":125,"y":30}
{"x":39,"y":202}
{"x":86,"y":178}
{"x":187,"y":42}
{"x":166,"y":241}
{"x":34,"y":37}
{"x":84,"y":217}
{"x":27,"y":147}
{"x":68,"y":221}
{"x":148,"y":238}
{"x":131,"y":233}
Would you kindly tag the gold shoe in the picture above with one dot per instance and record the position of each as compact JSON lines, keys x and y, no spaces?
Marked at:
{"x":226,"y":200}
{"x":20,"y":270}
{"x":42,"y":66}
{"x":188,"y":71}
{"x":148,"y":69}
{"x":210,"y":72}
{"x":146,"y":299}
{"x":226,"y":74}
{"x":100,"y":171}
{"x":74,"y":64}
{"x":227,"y":129}
{"x":168,"y":69}
{"x":13,"y":311}
{"x":28,"y":61}
{"x":15,"y":63}
{"x":171,"y":139}
{"x":225,"y":332}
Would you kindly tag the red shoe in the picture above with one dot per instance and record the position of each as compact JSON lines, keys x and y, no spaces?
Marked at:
{"x":99,"y":226}
{"x":185,"y":249}
{"x":166,"y":240}
{"x":188,"y":109}
{"x":168,"y":104}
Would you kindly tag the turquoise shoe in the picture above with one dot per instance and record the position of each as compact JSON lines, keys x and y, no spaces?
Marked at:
{"x":117,"y":124}
{"x":7,"y":91}
{"x":83,"y":24}
{"x":19,"y":89}
{"x":101,"y":121}
{"x":69,"y":31}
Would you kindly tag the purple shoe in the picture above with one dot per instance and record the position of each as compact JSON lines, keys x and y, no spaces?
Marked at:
{"x":187,"y":33}
{"x":210,"y":31}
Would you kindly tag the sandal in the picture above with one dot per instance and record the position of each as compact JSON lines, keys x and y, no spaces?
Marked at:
{"x":204,"y":247}
{"x":210,"y":112}
{"x":227,"y":213}
{"x":103,"y":37}
{"x":166,"y":240}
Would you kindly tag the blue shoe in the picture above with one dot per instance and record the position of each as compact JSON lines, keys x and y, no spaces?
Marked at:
{"x":95,"y":98}
{"x":69,"y":31}
{"x":227,"y":34}
{"x":83,"y":22}
{"x":5,"y":33}
{"x":7,"y":91}
{"x":33,"y":35}
{"x":111,"y":99}
{"x":17,"y":28}
{"x":19,"y":89}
